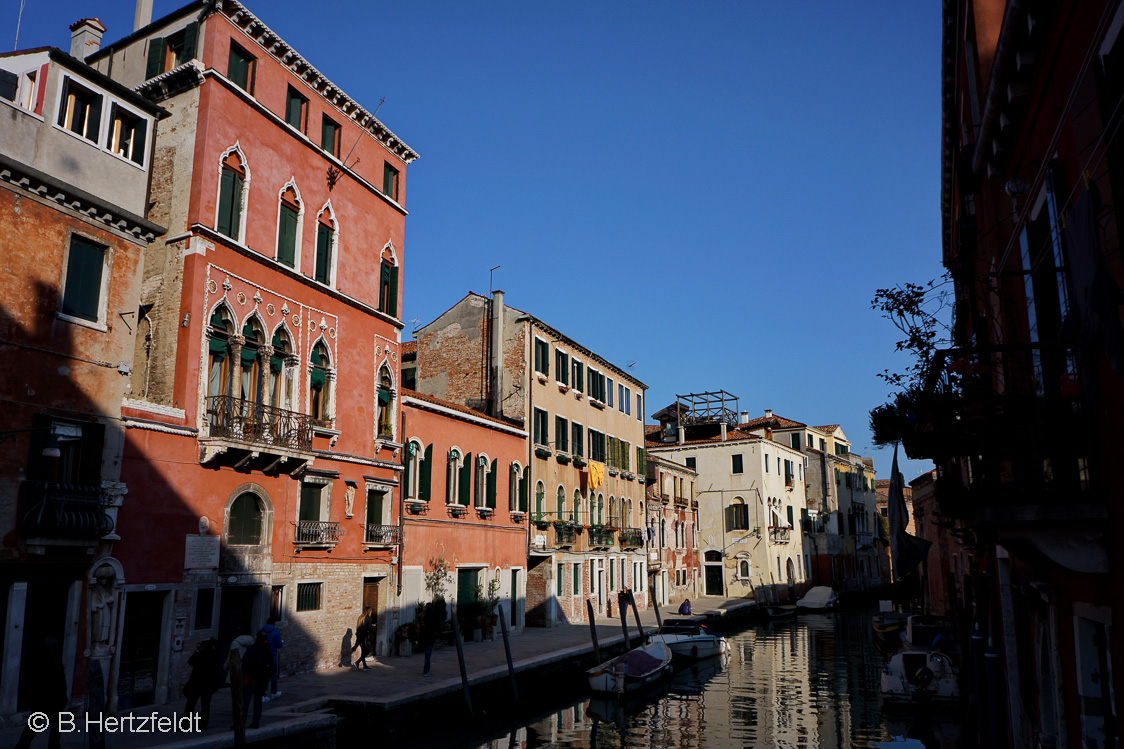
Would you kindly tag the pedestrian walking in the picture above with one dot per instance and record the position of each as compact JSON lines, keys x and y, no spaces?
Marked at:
{"x":204,"y":681}
{"x":430,"y":626}
{"x":238,"y":646}
{"x":273,"y":634}
{"x":257,"y":664}
{"x":363,"y":639}
{"x":47,"y":693}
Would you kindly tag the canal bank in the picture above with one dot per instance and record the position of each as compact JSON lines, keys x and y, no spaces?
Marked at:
{"x":394,"y":699}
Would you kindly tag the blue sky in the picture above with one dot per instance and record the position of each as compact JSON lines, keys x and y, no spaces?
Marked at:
{"x":713,"y":191}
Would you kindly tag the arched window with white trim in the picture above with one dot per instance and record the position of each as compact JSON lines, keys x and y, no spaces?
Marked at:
{"x":234,"y":184}
{"x":290,"y":221}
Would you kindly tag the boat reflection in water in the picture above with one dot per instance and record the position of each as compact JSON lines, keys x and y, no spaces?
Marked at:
{"x":810,"y":682}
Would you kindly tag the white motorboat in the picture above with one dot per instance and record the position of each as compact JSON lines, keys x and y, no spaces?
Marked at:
{"x":819,"y":598}
{"x":920,"y":675}
{"x":688,"y":638}
{"x":632,"y":671}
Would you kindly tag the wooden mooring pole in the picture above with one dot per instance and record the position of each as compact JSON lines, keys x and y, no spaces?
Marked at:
{"x":460,"y":662}
{"x":622,"y":604}
{"x":507,"y":652}
{"x":593,"y":630}
{"x":636,"y":611}
{"x":656,"y":606}
{"x":235,"y":668}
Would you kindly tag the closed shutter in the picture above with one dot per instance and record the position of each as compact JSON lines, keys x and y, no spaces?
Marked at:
{"x":465,"y":488}
{"x":323,"y":251}
{"x":287,"y":236}
{"x":82,"y":295}
{"x":190,"y":42}
{"x":230,"y":203}
{"x":426,"y":472}
{"x":490,"y":495}
{"x":524,"y":489}
{"x":157,"y":51}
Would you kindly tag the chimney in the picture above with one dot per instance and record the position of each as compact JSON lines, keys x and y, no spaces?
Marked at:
{"x":768,"y":413}
{"x":144,"y":14}
{"x":723,"y":426}
{"x":85,"y":37}
{"x":682,"y":435}
{"x":744,"y":417}
{"x":496,"y":329}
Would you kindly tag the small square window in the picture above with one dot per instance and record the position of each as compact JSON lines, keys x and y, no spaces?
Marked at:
{"x":330,"y":136}
{"x":308,"y":596}
{"x":390,"y":182}
{"x":83,"y":290}
{"x":240,"y":68}
{"x":80,"y":110}
{"x":127,"y":136}
{"x":296,"y":110}
{"x":690,"y":463}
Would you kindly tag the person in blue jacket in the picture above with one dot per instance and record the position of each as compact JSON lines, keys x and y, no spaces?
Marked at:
{"x":273,"y":635}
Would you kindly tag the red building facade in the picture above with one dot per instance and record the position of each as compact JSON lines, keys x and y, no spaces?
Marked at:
{"x":263,"y":431}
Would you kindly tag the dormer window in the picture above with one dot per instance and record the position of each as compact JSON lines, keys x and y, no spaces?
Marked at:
{"x":80,"y":110}
{"x":127,"y":136}
{"x":172,"y":51}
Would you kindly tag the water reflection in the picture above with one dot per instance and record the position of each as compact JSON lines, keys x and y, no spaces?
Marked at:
{"x":812,"y":682}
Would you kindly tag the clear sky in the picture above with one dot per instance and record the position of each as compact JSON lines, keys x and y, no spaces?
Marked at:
{"x":710,"y":190}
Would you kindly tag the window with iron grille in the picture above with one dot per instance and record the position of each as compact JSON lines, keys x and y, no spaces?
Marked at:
{"x":308,"y":596}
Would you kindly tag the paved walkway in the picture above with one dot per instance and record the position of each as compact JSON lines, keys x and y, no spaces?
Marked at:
{"x":389,"y":683}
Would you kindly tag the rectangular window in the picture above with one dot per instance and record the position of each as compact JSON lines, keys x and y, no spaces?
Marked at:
{"x":737,"y":517}
{"x":287,"y":235}
{"x":577,"y":579}
{"x":622,"y":404}
{"x":541,"y":435}
{"x":789,"y":473}
{"x":388,"y":289}
{"x":542,"y":356}
{"x":240,"y":68}
{"x":627,"y":400}
{"x":609,"y":403}
{"x":127,"y":135}
{"x":204,"y":608}
{"x":561,"y":434}
{"x":639,"y":408}
{"x":229,"y":219}
{"x":736,"y":462}
{"x":596,"y":446}
{"x":81,"y":295}
{"x":578,"y":380}
{"x":796,"y":440}
{"x":80,"y":110}
{"x":330,"y":136}
{"x":596,"y":385}
{"x":323,"y":254}
{"x":390,"y":182}
{"x":296,"y":110}
{"x":690,"y":463}
{"x":311,"y":503}
{"x":277,"y":603}
{"x":766,"y":462}
{"x":578,"y":440}
{"x":172,"y":51}
{"x":561,"y":579}
{"x":823,"y":446}
{"x":308,"y":596}
{"x":562,"y":366}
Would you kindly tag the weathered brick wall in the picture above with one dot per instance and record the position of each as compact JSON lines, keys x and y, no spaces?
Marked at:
{"x":538,"y":595}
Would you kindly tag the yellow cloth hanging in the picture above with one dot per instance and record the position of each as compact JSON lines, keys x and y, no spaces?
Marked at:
{"x":596,"y":474}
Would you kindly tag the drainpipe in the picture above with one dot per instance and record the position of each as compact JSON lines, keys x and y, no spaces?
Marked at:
{"x":402,"y":504}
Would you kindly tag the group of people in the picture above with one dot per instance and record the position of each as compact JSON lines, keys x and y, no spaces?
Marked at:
{"x":257,"y":656}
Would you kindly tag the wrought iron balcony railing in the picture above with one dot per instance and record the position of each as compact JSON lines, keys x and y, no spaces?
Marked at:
{"x":779,"y":534}
{"x":246,"y":421}
{"x":64,"y":511}
{"x":317,"y":532}
{"x":631,"y":538}
{"x":600,"y":538}
{"x":565,"y":535}
{"x":381,"y":534}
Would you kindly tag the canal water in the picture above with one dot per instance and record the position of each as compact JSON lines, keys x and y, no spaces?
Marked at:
{"x":809,"y":682}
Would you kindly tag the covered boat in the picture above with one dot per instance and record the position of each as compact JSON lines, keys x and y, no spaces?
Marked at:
{"x":923,"y":675}
{"x":632,"y":671}
{"x":819,"y":598}
{"x":688,"y":638}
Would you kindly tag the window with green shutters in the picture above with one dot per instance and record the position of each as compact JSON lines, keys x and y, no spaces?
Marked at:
{"x":171,"y":51}
{"x":330,"y":136}
{"x":562,"y":366}
{"x":464,"y":482}
{"x":85,"y":264}
{"x":311,"y":502}
{"x":490,"y":486}
{"x":318,"y":383}
{"x":425,"y":473}
{"x":325,"y":233}
{"x":231,"y":186}
{"x":540,"y":500}
{"x":641,"y":461}
{"x":561,"y":434}
{"x":560,"y":505}
{"x":296,"y":110}
{"x":578,"y":440}
{"x":524,"y":489}
{"x":561,"y":579}
{"x":542,"y":357}
{"x":596,"y":446}
{"x":288,"y":219}
{"x":388,"y":289}
{"x":577,"y":579}
{"x":540,"y":428}
{"x":796,"y":440}
{"x":390,"y":182}
{"x":240,"y":68}
{"x":578,"y":379}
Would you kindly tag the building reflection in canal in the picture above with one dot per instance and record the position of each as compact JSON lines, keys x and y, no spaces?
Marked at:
{"x":812,"y":682}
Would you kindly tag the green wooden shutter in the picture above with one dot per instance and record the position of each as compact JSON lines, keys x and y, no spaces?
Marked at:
{"x":490,"y":495}
{"x":524,"y":489}
{"x":157,"y":51}
{"x":426,"y":473}
{"x":82,"y":295}
{"x":190,"y":42}
{"x":230,"y":203}
{"x":287,"y":236}
{"x":323,"y":252}
{"x":465,"y":489}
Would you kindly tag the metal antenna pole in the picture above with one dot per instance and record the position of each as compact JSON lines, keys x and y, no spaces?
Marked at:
{"x":490,"y":272}
{"x":18,"y":19}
